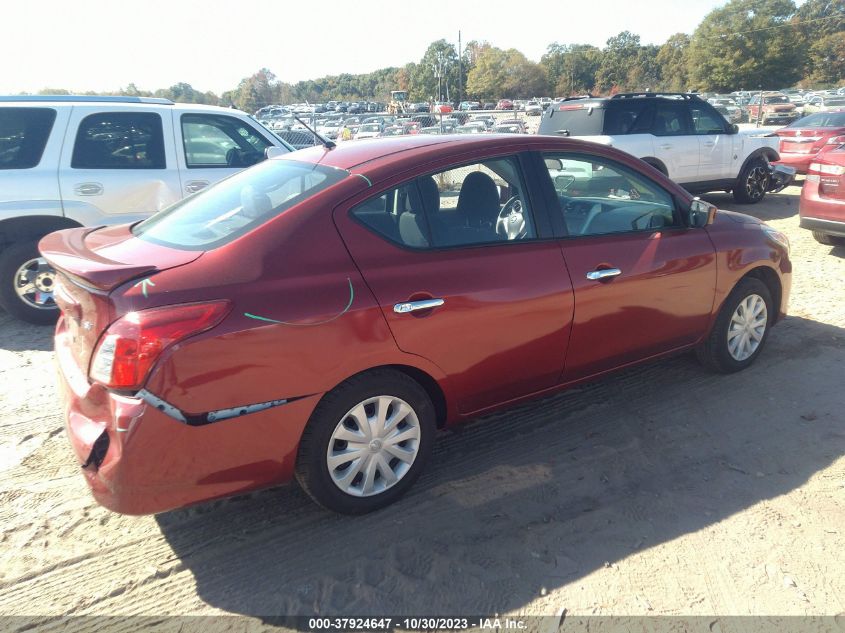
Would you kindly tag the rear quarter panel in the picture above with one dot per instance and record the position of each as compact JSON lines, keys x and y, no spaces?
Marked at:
{"x":302,"y":319}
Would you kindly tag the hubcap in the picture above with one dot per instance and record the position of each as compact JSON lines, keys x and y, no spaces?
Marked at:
{"x":755,"y":184}
{"x":34,"y":283}
{"x":748,"y":325}
{"x":373,"y":446}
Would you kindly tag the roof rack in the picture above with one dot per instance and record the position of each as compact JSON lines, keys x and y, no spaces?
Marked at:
{"x":87,"y":98}
{"x":630,"y":95}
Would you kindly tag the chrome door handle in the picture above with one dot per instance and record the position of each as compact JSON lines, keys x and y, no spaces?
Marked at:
{"x":412,"y":306}
{"x":708,"y":144}
{"x":604,"y":273}
{"x":195,"y":185}
{"x":88,"y":189}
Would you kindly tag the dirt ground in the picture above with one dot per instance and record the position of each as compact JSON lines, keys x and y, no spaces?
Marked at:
{"x":662,"y":490}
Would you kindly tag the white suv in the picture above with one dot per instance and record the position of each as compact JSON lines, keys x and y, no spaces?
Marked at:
{"x":68,"y":161}
{"x":679,"y":134}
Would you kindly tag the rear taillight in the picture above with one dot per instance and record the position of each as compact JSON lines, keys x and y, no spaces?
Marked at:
{"x":132,"y":344}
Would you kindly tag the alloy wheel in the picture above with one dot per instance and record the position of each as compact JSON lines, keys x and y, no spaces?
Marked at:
{"x":34,"y":283}
{"x":756,"y":182}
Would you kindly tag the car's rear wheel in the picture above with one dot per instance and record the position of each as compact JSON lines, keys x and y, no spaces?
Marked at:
{"x":828,"y":240}
{"x":366,"y":442}
{"x":752,"y":182}
{"x":26,"y":284}
{"x":741,"y":328}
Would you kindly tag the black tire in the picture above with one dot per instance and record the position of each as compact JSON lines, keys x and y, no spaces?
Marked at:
{"x":751,"y":183}
{"x":713,"y":352}
{"x":828,"y":240}
{"x":12,"y":257}
{"x":312,"y":471}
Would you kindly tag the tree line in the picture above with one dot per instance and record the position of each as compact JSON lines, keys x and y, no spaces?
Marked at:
{"x":745,"y":44}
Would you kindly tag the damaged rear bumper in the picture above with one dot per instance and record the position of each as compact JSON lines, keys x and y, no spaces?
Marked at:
{"x":140,"y":459}
{"x":780,"y":177}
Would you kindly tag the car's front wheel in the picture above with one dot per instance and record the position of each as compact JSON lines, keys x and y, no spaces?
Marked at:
{"x":741,"y":328}
{"x":26,"y":284}
{"x":752,"y":183}
{"x":366,"y":442}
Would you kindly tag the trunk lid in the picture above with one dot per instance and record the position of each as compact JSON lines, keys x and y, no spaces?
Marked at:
{"x":91,"y":262}
{"x":806,"y":140}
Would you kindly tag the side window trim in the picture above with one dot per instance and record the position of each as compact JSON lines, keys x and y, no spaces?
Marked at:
{"x":158,"y":129}
{"x":241,"y":143}
{"x":36,"y":156}
{"x":519,"y":161}
{"x":556,"y":211}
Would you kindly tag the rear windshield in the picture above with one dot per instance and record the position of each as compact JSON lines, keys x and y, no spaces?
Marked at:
{"x":237,"y":204}
{"x":23,"y":136}
{"x":580,"y":120}
{"x":821,"y":119}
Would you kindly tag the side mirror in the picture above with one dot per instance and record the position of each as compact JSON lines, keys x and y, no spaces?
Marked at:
{"x":701,"y":213}
{"x":734,"y":128}
{"x":272,"y":151}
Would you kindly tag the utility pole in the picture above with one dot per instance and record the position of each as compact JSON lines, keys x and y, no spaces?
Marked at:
{"x":460,"y":72}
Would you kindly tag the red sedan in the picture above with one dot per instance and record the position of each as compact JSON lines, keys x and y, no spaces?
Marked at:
{"x":811,"y":136}
{"x":822,"y":205}
{"x":322,"y":314}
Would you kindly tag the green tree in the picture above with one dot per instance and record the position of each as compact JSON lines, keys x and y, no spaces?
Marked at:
{"x":440,"y":59}
{"x":523,"y":78}
{"x":616,"y":61}
{"x":645,"y":73}
{"x":747,"y":44}
{"x":826,"y":59}
{"x":487,"y":78}
{"x":673,"y":63}
{"x":571,"y":69}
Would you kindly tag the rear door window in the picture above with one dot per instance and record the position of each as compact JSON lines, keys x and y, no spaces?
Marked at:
{"x":671,"y":119}
{"x":480,"y":203}
{"x":628,"y":117}
{"x":214,"y":140}
{"x":119,"y":140}
{"x":23,"y":136}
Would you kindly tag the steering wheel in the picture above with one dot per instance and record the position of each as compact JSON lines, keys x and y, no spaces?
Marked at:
{"x":511,"y":221}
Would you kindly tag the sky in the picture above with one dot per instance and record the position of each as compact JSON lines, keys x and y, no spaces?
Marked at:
{"x":104,"y":45}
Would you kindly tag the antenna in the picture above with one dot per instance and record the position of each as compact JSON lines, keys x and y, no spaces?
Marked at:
{"x":323,"y":140}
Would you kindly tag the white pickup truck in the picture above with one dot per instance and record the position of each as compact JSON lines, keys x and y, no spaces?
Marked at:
{"x":679,"y":134}
{"x":69,"y":161}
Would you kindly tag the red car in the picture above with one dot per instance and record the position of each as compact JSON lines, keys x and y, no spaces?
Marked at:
{"x":504,"y":104}
{"x":810,"y":137}
{"x":822,"y":205}
{"x":322,"y":314}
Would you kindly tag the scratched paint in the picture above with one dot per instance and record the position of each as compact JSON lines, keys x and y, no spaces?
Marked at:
{"x":337,"y":316}
{"x":144,"y":283}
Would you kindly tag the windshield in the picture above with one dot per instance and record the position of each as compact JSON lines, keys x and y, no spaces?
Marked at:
{"x":236,"y":205}
{"x":776,"y":100}
{"x":821,"y":119}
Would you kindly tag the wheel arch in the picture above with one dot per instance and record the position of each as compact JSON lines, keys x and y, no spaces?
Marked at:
{"x":31,"y":227}
{"x":770,"y":278}
{"x":768,"y":153}
{"x":423,"y":378}
{"x":656,"y":163}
